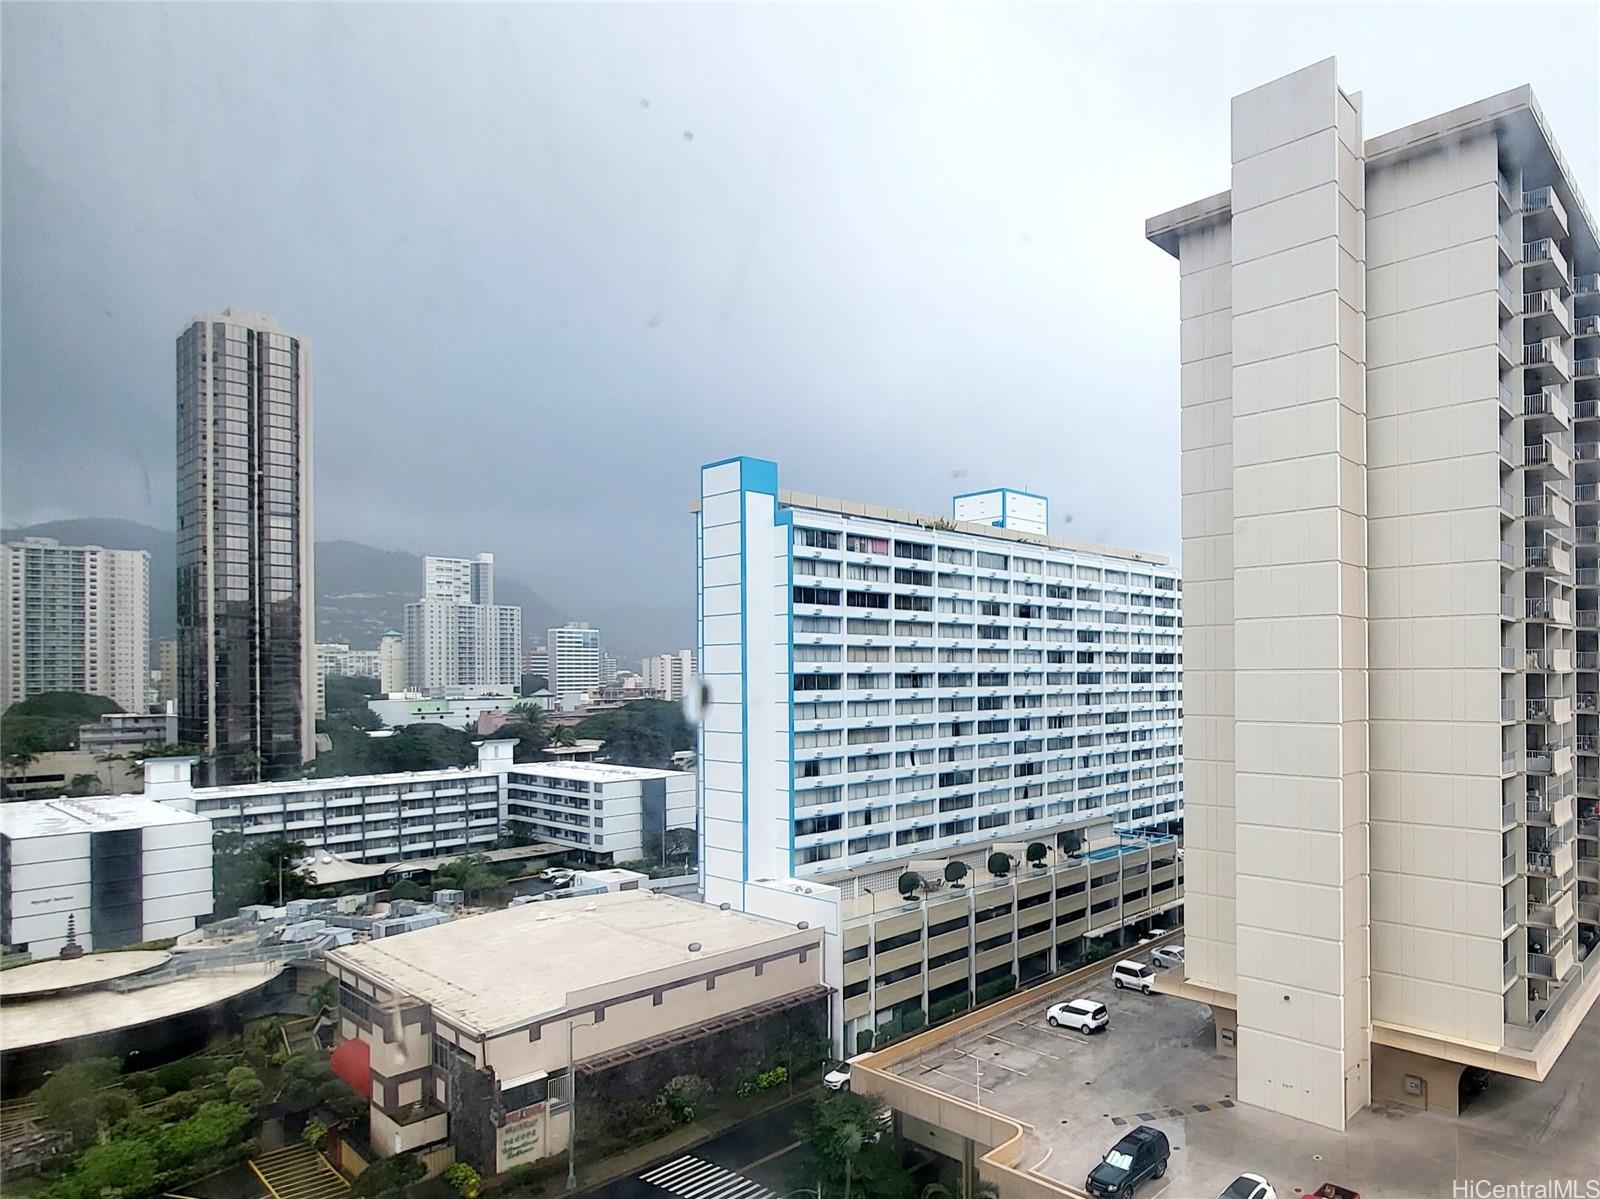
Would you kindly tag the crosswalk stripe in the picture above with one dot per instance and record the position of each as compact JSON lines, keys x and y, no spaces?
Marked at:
{"x":680,"y":1166}
{"x":694,"y":1178}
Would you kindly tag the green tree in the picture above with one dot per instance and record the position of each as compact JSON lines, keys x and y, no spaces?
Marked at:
{"x":516,"y":834}
{"x":389,"y":1177}
{"x":910,"y":882}
{"x":847,"y":1136}
{"x":122,"y":1167}
{"x":954,"y":872}
{"x":999,"y":864}
{"x":470,"y":874}
{"x":1069,"y":842}
{"x":1037,"y":852}
{"x":85,"y":784}
{"x":315,"y":1134}
{"x":646,"y":732}
{"x":683,"y":846}
{"x":79,"y":1098}
{"x":562,"y":737}
{"x":246,"y":873}
{"x":407,"y":889}
{"x":527,"y":729}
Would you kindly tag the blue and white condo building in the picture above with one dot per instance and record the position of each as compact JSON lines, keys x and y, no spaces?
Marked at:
{"x":887,"y":690}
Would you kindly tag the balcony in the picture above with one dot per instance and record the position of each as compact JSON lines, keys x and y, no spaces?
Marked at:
{"x":1589,"y":911}
{"x":1543,"y":261}
{"x":1589,"y":827}
{"x":1541,"y":862}
{"x":1542,"y":915}
{"x":1508,"y":813}
{"x":1586,"y":326}
{"x":1586,"y":368}
{"x":1543,"y":211}
{"x":1541,"y":965}
{"x":1584,"y":286}
{"x":1508,"y":763}
{"x":1508,"y":504}
{"x":1586,"y":410}
{"x":1508,"y":453}
{"x":1510,"y":302}
{"x":1510,"y":402}
{"x":1508,"y":868}
{"x":1546,"y":313}
{"x":1547,"y":401}
{"x":1509,"y":657}
{"x":1508,"y":711}
{"x":1547,"y":357}
{"x":1508,"y":973}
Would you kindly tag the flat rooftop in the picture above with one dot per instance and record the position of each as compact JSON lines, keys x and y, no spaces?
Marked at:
{"x":596,"y":772}
{"x":70,"y":974}
{"x":506,"y":968}
{"x":99,"y":814}
{"x":68,"y":1017}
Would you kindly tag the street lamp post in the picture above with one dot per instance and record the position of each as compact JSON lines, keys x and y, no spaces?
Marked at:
{"x":572,"y":1104}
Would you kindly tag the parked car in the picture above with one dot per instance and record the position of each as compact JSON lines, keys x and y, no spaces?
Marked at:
{"x":1085,"y":1015}
{"x":1140,"y":1155}
{"x":558,"y":875}
{"x":838,"y":1076}
{"x":1169,"y":956}
{"x":1249,"y":1186}
{"x":1139,"y":975}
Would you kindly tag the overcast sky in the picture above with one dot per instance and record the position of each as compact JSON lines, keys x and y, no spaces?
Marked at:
{"x":551,"y":259}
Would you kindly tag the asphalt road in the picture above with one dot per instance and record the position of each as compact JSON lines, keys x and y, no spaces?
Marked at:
{"x":752,"y":1160}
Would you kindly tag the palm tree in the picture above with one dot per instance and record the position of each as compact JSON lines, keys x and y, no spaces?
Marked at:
{"x":564,"y":737}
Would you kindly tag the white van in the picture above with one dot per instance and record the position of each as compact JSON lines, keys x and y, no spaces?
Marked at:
{"x":1138,"y":975}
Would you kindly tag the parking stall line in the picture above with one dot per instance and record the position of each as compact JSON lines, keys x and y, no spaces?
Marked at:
{"x":1019,"y":1045}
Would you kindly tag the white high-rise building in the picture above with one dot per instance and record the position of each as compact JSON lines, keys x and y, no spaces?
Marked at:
{"x":456,"y":635}
{"x":574,"y":651}
{"x":391,"y":663}
{"x":669,"y":673}
{"x":76,"y":618}
{"x":1390,"y":382}
{"x":891,"y":691}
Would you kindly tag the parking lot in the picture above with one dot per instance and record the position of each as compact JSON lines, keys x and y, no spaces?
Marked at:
{"x":1156,"y":1064}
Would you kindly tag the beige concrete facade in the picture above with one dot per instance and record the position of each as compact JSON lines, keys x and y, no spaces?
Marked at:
{"x":1388,"y":379}
{"x":486,"y":994}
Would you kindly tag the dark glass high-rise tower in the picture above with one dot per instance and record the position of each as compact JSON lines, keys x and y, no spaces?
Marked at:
{"x":246,"y":652}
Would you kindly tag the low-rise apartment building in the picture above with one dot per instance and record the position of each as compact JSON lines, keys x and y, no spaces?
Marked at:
{"x":472,"y":1032}
{"x":118,"y":732}
{"x":606,"y":814}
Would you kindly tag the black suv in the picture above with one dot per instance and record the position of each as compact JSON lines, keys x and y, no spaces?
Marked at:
{"x":1141,"y":1154}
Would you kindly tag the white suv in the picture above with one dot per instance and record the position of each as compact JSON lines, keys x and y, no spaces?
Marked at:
{"x":1085,"y":1015}
{"x":1133,"y":974}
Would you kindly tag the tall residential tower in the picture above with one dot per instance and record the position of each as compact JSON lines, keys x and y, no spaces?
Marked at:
{"x":1390,"y":431}
{"x":74,"y":618}
{"x":456,"y":635}
{"x":246,"y":655}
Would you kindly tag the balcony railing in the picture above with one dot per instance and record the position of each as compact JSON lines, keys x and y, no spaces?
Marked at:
{"x":1586,"y":410}
{"x":1586,"y":451}
{"x":1508,"y":763}
{"x":1587,"y":618}
{"x":1546,"y":401}
{"x":1540,"y":862}
{"x":1586,"y":326}
{"x":1508,"y":709}
{"x":1585,"y":743}
{"x":1508,"y":248}
{"x":1545,"y":300}
{"x":1508,"y":452}
{"x":1586,"y":368}
{"x":1586,"y":285}
{"x":1544,"y":249}
{"x":1586,"y":659}
{"x":1542,"y":914}
{"x":1541,"y":198}
{"x":1508,"y":972}
{"x":1511,"y":401}
{"x":1539,"y":709}
{"x":1585,"y":701}
{"x":1541,"y":965}
{"x":1589,"y":828}
{"x":1508,"y":813}
{"x":1508,"y":868}
{"x":1546,"y":352}
{"x":1510,"y":302}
